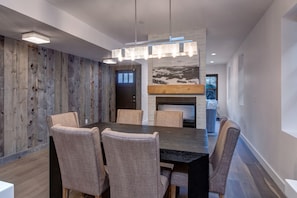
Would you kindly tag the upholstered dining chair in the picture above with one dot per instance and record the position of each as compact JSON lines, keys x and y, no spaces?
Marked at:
{"x":81,"y":161}
{"x":133,"y":162}
{"x":168,"y":118}
{"x":219,"y":162}
{"x":129,"y":116}
{"x":69,"y":119}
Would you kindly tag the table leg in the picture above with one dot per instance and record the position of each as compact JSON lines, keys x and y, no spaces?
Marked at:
{"x":198,"y":178}
{"x":55,"y":175}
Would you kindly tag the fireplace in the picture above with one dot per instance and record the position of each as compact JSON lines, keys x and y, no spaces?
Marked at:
{"x":185,"y":104}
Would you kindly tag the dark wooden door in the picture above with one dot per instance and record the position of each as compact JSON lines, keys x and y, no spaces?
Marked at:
{"x":125,"y":89}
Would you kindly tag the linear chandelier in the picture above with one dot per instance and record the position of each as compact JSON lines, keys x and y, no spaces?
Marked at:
{"x":172,"y":47}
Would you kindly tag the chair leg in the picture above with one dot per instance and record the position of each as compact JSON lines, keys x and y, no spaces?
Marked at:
{"x":65,"y":193}
{"x":221,"y":195}
{"x":172,"y":191}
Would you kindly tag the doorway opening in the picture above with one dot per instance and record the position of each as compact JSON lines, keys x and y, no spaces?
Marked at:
{"x":125,"y":88}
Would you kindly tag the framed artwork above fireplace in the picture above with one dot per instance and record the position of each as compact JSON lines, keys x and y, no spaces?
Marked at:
{"x":175,"y":75}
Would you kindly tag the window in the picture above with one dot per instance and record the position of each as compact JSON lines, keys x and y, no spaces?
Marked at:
{"x":125,"y":77}
{"x":211,"y":86}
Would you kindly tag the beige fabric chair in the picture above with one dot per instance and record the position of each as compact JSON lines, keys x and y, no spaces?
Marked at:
{"x":129,"y":116}
{"x":69,"y":119}
{"x":81,"y":161}
{"x":220,"y":161}
{"x":169,"y":118}
{"x":133,"y":162}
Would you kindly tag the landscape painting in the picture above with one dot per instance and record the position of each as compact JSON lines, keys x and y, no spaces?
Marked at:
{"x":176,"y":75}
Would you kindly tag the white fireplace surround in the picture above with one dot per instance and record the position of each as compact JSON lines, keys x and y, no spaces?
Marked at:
{"x":200,"y":108}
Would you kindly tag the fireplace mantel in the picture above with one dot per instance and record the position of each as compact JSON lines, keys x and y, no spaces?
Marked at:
{"x":186,"y":89}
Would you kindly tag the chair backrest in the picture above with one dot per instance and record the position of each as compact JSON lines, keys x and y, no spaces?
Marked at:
{"x":133,"y":163}
{"x":169,"y":118}
{"x":69,"y":119}
{"x":222,"y":156}
{"x":223,"y":119}
{"x":129,"y":116}
{"x":80,"y":159}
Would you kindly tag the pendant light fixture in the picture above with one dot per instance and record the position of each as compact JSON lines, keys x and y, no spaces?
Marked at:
{"x":171,"y":47}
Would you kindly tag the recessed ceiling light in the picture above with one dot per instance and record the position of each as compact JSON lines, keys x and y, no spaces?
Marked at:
{"x":35,"y":37}
{"x":211,"y":61}
{"x":213,"y":54}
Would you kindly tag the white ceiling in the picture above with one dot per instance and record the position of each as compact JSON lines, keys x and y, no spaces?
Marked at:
{"x":227,"y":22}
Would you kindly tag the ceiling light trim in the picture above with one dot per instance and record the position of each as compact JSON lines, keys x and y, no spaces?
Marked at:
{"x":35,"y":37}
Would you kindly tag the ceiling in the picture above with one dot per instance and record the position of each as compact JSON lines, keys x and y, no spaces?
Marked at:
{"x":227,"y":23}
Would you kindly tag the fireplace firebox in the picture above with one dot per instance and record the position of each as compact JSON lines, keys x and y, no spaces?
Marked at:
{"x":185,"y":104}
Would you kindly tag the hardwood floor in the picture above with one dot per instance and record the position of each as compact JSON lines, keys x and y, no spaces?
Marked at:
{"x":30,"y":175}
{"x":247,"y":179}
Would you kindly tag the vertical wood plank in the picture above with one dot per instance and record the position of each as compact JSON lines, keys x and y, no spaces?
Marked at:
{"x":1,"y":96}
{"x":74,"y":84}
{"x":101,"y":110}
{"x":104,"y":114}
{"x":50,"y":87}
{"x":91,"y":106}
{"x":64,"y":83}
{"x":87,"y":99}
{"x":32,"y":96}
{"x":95,"y":91}
{"x":10,"y":102}
{"x":112,"y":96}
{"x":22,"y":94}
{"x":41,"y":109}
{"x":50,"y":83}
{"x":56,"y":81}
{"x":82,"y":89}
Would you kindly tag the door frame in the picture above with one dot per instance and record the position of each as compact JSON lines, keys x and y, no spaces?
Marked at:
{"x":137,"y":68}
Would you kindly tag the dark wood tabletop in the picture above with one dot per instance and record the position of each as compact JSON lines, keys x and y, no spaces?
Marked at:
{"x":187,"y":146}
{"x":176,"y":144}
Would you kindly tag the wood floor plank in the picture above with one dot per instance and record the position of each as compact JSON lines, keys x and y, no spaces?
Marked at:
{"x":246,"y":179}
{"x":30,"y":175}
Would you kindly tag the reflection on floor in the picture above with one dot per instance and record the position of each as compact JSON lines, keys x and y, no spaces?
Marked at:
{"x":247,"y":178}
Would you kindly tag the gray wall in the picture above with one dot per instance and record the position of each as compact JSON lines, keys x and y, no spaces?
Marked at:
{"x":36,"y":82}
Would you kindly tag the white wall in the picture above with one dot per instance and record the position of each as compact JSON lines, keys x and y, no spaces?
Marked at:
{"x":260,"y":115}
{"x":144,"y":94}
{"x":220,"y":69}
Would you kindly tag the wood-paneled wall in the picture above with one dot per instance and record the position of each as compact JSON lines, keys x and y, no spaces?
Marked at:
{"x":36,"y":82}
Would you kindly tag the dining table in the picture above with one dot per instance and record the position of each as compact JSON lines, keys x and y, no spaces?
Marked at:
{"x":178,"y":146}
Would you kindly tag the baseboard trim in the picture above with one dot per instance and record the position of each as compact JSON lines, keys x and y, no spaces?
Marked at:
{"x":276,"y":178}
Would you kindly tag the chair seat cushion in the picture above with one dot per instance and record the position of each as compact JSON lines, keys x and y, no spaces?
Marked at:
{"x":179,"y":176}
